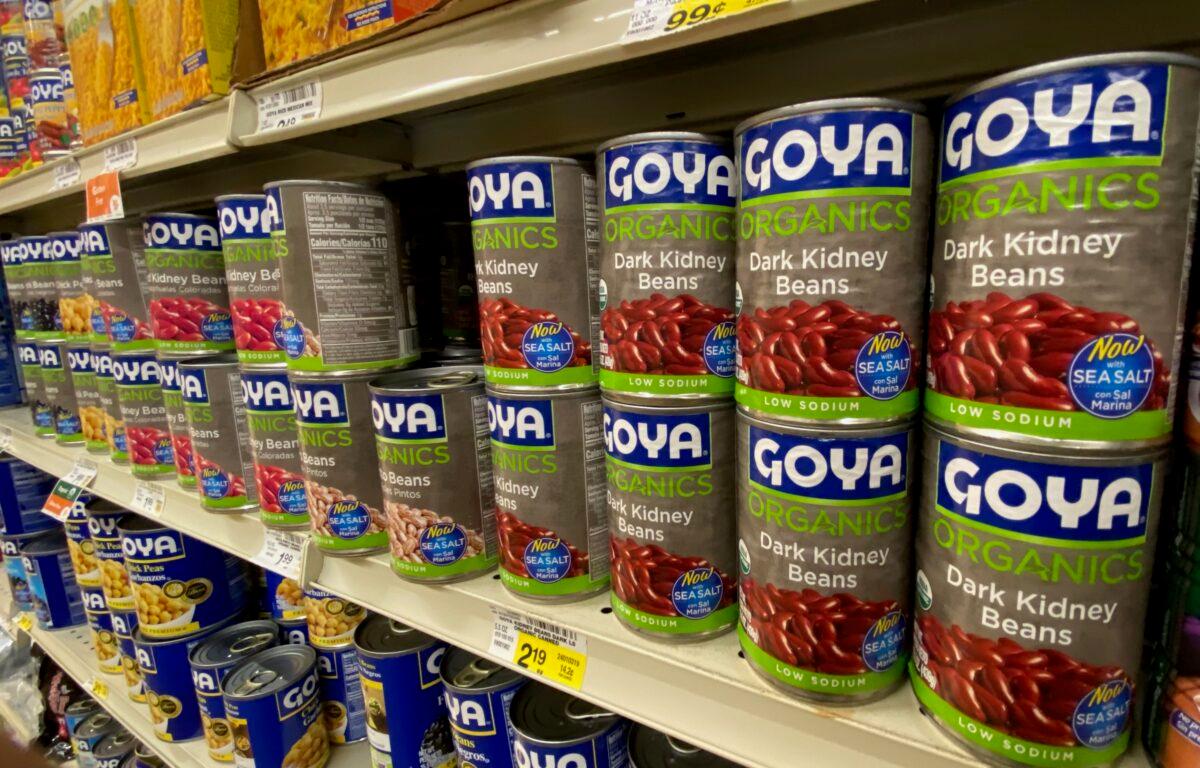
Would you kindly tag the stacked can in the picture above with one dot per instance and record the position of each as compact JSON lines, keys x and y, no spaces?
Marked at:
{"x":17,"y":67}
{"x":343,"y":318}
{"x":110,"y":407}
{"x":57,"y":601}
{"x":287,"y":607}
{"x":211,"y":661}
{"x":1060,"y":262}
{"x":58,"y":387}
{"x":40,"y":316}
{"x":211,"y":388}
{"x":535,"y":229}
{"x":667,"y":364}
{"x":332,"y":622}
{"x":74,"y":304}
{"x":92,"y":418}
{"x":831,"y":244}
{"x":23,"y":490}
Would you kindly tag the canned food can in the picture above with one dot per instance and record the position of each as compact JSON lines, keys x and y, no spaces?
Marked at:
{"x":74,"y":304}
{"x":535,"y":226}
{"x":824,"y":532}
{"x":1040,"y":523}
{"x":87,"y":396}
{"x":285,"y":598}
{"x":555,"y":728}
{"x":478,"y":695}
{"x":649,"y":748}
{"x":57,"y":602}
{"x":342,"y":703}
{"x":170,"y":694}
{"x":70,"y":100}
{"x":211,"y":662}
{"x":341,"y":470}
{"x":23,"y":488}
{"x":181,"y":439}
{"x":113,"y":749}
{"x":293,"y":631}
{"x":667,"y":267}
{"x":211,"y":387}
{"x":181,"y":585}
{"x":79,"y":543}
{"x":14,"y":569}
{"x":43,"y":42}
{"x":252,"y":274}
{"x":76,"y":712}
{"x":49,"y":110}
{"x":275,"y":443}
{"x":104,"y":639}
{"x":344,"y":306}
{"x":401,"y":671}
{"x":1177,"y":727}
{"x":114,"y":255}
{"x":1047,"y":324}
{"x":125,"y":626}
{"x":548,"y":461}
{"x":185,"y":284}
{"x":103,"y":522}
{"x":273,"y":703}
{"x":59,"y":389}
{"x":106,"y":387}
{"x":41,"y":319}
{"x":831,"y":260}
{"x":12,"y":256}
{"x":41,"y":414}
{"x":144,"y":757}
{"x":140,"y":397}
{"x":670,"y":516}
{"x":431,"y":435}
{"x":258,"y":577}
{"x":89,"y":733}
{"x":331,"y":619}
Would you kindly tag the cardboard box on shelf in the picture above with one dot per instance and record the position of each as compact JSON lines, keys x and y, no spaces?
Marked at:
{"x":99,"y":38}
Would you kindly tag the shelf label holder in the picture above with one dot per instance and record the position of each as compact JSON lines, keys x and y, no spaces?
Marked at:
{"x":539,"y":647}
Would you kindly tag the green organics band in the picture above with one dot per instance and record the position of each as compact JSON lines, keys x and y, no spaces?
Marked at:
{"x":820,"y":682}
{"x":151,"y":470}
{"x":284,"y":520}
{"x":720,"y":619}
{"x":661,"y":384}
{"x":474,"y":564}
{"x":1068,"y":425}
{"x":97,"y":446}
{"x":170,"y":345}
{"x":830,"y":408}
{"x":186,"y":481}
{"x":315,"y":364}
{"x":377,"y":540}
{"x":44,"y":431}
{"x":226,"y":502}
{"x":573,"y":585}
{"x":261,"y":356}
{"x":138,"y":345}
{"x":119,"y":457}
{"x":527,"y":377}
{"x":68,"y":439}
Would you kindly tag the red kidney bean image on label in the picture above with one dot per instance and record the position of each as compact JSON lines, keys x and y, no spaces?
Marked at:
{"x":211,"y":388}
{"x":181,"y":439}
{"x":535,"y":230}
{"x":1060,"y":250}
{"x":252,"y":275}
{"x":666,"y":268}
{"x":185,"y":282}
{"x":831,"y":260}
{"x":824,"y":542}
{"x":278,"y":473}
{"x":1032,"y":578}
{"x":114,"y":271}
{"x":140,"y":397}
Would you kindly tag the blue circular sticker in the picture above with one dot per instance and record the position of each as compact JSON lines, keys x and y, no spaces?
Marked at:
{"x":884,"y":641}
{"x":121,"y":326}
{"x":68,"y":425}
{"x":883,"y":365}
{"x":697,"y":592}
{"x":292,"y":498}
{"x":97,"y":321}
{"x":217,"y":326}
{"x":1111,"y":376}
{"x":1102,"y":714}
{"x":289,"y":335}
{"x":279,"y":333}
{"x":348,"y":519}
{"x":214,"y":483}
{"x":120,"y":441}
{"x":718,"y":349}
{"x":547,"y":346}
{"x":443,"y":543}
{"x":163,"y":452}
{"x":547,"y":559}
{"x":44,"y":418}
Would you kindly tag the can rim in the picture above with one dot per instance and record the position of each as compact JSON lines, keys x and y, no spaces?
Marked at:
{"x":408,"y":381}
{"x":1115,"y":456}
{"x":239,"y":196}
{"x":216,"y":360}
{"x":324,"y":182}
{"x":523,"y":159}
{"x":828,"y":105}
{"x":813,"y":429}
{"x":310,"y":377}
{"x":163,"y":214}
{"x":638,"y":138}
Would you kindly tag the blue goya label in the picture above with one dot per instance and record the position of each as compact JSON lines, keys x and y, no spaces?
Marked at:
{"x":56,"y":598}
{"x":279,"y":729}
{"x":407,"y":724}
{"x":170,"y":692}
{"x":23,"y":490}
{"x":271,"y":420}
{"x":18,"y":580}
{"x":605,"y":750}
{"x":480,"y":725}
{"x":342,"y":704}
{"x":125,"y":625}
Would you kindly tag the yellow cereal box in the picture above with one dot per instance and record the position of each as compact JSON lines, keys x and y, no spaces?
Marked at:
{"x":105,"y":83}
{"x":294,"y":30}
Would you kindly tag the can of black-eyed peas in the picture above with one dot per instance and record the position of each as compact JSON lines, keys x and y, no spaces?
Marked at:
{"x":59,"y":390}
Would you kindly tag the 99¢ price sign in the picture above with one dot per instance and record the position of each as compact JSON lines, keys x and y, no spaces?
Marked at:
{"x":539,"y":648}
{"x":654,"y":18}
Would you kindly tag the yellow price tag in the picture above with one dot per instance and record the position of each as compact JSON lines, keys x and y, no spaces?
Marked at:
{"x":654,"y":18}
{"x":25,"y":622}
{"x":549,"y":660}
{"x":99,"y":688}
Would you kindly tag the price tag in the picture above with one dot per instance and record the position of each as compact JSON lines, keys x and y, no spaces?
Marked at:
{"x":122,"y":155}
{"x":6,"y":438}
{"x":285,"y":107}
{"x":655,"y":18}
{"x":539,"y":647}
{"x":25,"y":622}
{"x":98,"y":687}
{"x":103,"y":196}
{"x":281,"y":552}
{"x":67,"y":490}
{"x":148,"y":498}
{"x":66,"y":174}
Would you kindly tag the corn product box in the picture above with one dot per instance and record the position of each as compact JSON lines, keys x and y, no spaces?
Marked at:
{"x":98,"y":33}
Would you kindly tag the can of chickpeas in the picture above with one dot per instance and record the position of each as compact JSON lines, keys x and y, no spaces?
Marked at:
{"x":87,"y":396}
{"x":106,"y":388}
{"x":274,"y":707}
{"x":74,"y":305}
{"x":216,"y":416}
{"x":170,"y":694}
{"x":104,"y":639}
{"x":331,"y":620}
{"x":211,"y":662}
{"x":103,"y":521}
{"x":284,"y":597}
{"x":341,"y":695}
{"x":125,"y":626}
{"x":81,"y":546}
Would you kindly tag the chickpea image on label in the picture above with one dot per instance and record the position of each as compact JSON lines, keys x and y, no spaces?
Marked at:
{"x":155,"y":607}
{"x":289,"y":592}
{"x":311,"y":750}
{"x":331,"y":618}
{"x":115,"y":580}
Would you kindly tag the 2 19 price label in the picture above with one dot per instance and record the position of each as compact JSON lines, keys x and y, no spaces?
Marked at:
{"x":539,"y":647}
{"x":548,"y":659}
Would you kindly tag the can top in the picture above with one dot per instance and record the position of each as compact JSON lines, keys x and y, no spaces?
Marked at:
{"x":523,"y":159}
{"x":144,"y":754}
{"x":96,"y":725}
{"x":208,"y":218}
{"x":81,"y":707}
{"x":1104,"y":59}
{"x":379,"y":635}
{"x":638,"y":138}
{"x":822,"y":431}
{"x":78,"y":344}
{"x":64,"y":233}
{"x":649,"y":748}
{"x":234,"y":643}
{"x":424,"y":379}
{"x":219,"y":360}
{"x":116,"y":744}
{"x":547,"y":715}
{"x":139,"y":524}
{"x":256,"y":196}
{"x":135,"y":353}
{"x":321,"y":182}
{"x":1116,"y":456}
{"x":827,"y":105}
{"x":47,"y":543}
{"x":45,"y":72}
{"x":51,"y":341}
{"x":268,"y":671}
{"x":463,"y":670}
{"x":319,"y":377}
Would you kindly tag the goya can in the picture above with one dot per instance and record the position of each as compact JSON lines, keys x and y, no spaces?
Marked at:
{"x":548,"y":463}
{"x":1038,"y":566}
{"x":832,"y":217}
{"x":59,"y":390}
{"x":89,"y":733}
{"x":185,"y":284}
{"x":40,"y":411}
{"x":113,"y":750}
{"x":87,"y":397}
{"x":79,"y":543}
{"x":211,"y":662}
{"x":114,"y":262}
{"x":670,"y":517}
{"x":824,"y":545}
{"x":435,"y":464}
{"x":125,"y":626}
{"x":75,"y":713}
{"x":57,"y":602}
{"x":285,"y":597}
{"x":555,"y":728}
{"x":342,"y":703}
{"x":345,"y":306}
{"x":1064,"y":217}
{"x":104,"y":520}
{"x":136,"y":376}
{"x":406,"y":718}
{"x":181,"y":439}
{"x":23,"y":489}
{"x":170,"y":694}
{"x":478,"y":695}
{"x":252,"y":275}
{"x":331,"y":619}
{"x":275,"y":443}
{"x":51,"y":132}
{"x":14,"y":569}
{"x":99,"y":621}
{"x":181,"y":585}
{"x":41,"y":317}
{"x":293,"y":632}
{"x":74,"y":304}
{"x":106,"y":388}
{"x":144,"y":757}
{"x":274,"y":707}
{"x":649,"y":748}
{"x":211,"y":388}
{"x":341,"y":472}
{"x":667,"y":267}
{"x":535,"y":226}
{"x":12,"y":257}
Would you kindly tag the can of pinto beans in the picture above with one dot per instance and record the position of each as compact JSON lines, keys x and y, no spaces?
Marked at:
{"x":1065,"y":210}
{"x":667,"y":267}
{"x":185,"y":284}
{"x":670,"y":517}
{"x":252,"y":274}
{"x":114,"y":266}
{"x":59,"y":390}
{"x":832,"y":226}
{"x":216,"y":414}
{"x":1037,"y":566}
{"x":177,"y":424}
{"x":535,"y":227}
{"x":136,"y":376}
{"x":435,"y":463}
{"x":275,"y":444}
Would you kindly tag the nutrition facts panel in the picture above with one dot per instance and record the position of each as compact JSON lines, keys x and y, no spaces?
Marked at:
{"x":597,"y":494}
{"x":591,"y":241}
{"x":487,"y":484}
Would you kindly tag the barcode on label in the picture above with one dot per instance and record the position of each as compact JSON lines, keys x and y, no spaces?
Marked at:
{"x":288,"y":106}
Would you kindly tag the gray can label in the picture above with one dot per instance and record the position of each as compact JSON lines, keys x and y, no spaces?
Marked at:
{"x":114,"y":271}
{"x":252,"y":275}
{"x":271,"y":418}
{"x":74,"y":304}
{"x":114,"y":423}
{"x":59,"y":391}
{"x":140,"y":396}
{"x":216,"y":416}
{"x":87,"y":397}
{"x":181,"y":441}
